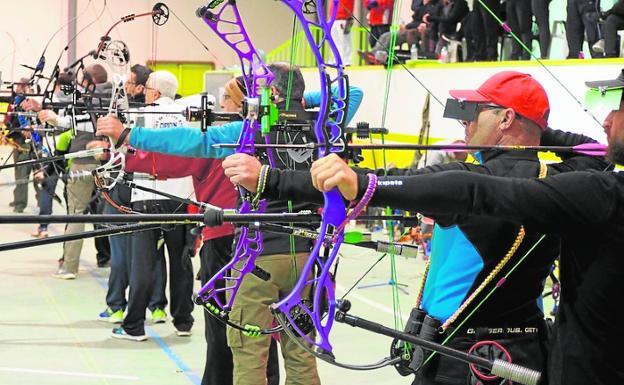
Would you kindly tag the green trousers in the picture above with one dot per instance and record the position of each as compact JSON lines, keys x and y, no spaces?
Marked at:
{"x":252,"y":307}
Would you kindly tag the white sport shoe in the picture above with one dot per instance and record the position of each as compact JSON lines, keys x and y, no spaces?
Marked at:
{"x":64,"y":274}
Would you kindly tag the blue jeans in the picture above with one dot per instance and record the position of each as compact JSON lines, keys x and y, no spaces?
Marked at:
{"x":119,"y":277}
{"x":46,"y":197}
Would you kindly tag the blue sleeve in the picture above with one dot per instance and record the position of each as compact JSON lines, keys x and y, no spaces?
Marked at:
{"x":187,"y":141}
{"x":313,"y":99}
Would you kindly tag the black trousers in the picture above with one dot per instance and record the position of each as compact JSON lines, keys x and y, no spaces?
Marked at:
{"x":145,"y":254}
{"x":520,"y":20}
{"x":582,"y":19}
{"x":486,"y":31}
{"x":613,"y":24}
{"x":376,"y":31}
{"x":102,"y":245}
{"x":542,"y":15}
{"x":214,"y":254}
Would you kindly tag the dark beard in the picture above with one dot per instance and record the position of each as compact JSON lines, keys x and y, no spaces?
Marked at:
{"x":616,"y":152}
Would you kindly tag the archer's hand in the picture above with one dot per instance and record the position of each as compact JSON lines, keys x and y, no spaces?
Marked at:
{"x":331,"y":171}
{"x":243,"y":170}
{"x":48,"y":116}
{"x":38,"y":176}
{"x":99,"y":144}
{"x":109,"y":126}
{"x":31,"y":105}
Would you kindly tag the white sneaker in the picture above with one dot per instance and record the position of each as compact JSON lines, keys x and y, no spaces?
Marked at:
{"x":121,"y":334}
{"x":183,"y":333}
{"x":64,"y":274}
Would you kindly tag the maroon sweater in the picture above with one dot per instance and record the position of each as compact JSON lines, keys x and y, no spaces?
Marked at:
{"x":210,"y":183}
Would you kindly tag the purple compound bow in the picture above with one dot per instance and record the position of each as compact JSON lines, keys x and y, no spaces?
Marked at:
{"x":225,"y":20}
{"x":298,"y":315}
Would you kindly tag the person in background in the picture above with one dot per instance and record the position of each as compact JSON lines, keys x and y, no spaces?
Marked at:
{"x":79,"y":190}
{"x":211,"y":186}
{"x":341,"y":30}
{"x":581,"y":21}
{"x":542,"y":18}
{"x":379,"y":18}
{"x":135,"y":86}
{"x":485,"y":30}
{"x":21,"y":150}
{"x":613,"y":22}
{"x":451,"y":13}
{"x":520,"y":20}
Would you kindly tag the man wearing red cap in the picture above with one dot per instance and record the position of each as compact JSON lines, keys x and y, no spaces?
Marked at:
{"x":470,"y":254}
{"x":574,"y":207}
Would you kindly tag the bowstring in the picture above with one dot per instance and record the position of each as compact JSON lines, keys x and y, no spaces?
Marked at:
{"x":396,"y":304}
{"x":293,"y":48}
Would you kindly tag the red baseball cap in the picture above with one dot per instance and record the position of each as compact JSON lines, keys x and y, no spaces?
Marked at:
{"x":512,"y":89}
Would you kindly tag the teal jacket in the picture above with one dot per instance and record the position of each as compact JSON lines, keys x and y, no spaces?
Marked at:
{"x":192,"y":142}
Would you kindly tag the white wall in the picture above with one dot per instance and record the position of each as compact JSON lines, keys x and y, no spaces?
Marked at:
{"x":32,"y":23}
{"x":406,"y":98}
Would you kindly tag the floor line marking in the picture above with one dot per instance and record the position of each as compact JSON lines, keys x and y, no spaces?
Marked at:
{"x":73,"y":374}
{"x":192,"y":376}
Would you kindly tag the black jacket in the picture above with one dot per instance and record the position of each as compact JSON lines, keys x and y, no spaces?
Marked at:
{"x":586,"y":210}
{"x":514,"y":304}
{"x":447,"y":24}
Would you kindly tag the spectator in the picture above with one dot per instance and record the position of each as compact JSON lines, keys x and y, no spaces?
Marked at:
{"x":520,"y":20}
{"x":341,"y":30}
{"x":408,"y":33}
{"x":582,"y":20}
{"x":485,"y":31}
{"x":427,"y":31}
{"x":379,"y":18}
{"x":542,"y":18}
{"x":614,"y":21}
{"x":451,"y":12}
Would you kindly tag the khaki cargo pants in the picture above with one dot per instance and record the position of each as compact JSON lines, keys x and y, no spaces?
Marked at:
{"x":252,"y":307}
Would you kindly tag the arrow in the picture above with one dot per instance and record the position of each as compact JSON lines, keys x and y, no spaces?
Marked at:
{"x":591,"y":149}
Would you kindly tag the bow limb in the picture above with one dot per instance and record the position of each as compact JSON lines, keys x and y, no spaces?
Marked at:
{"x":47,"y":93}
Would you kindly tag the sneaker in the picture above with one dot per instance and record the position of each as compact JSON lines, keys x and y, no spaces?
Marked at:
{"x":159,"y":316}
{"x":183,"y":333}
{"x":11,"y":204}
{"x":114,"y":317}
{"x":121,"y":334}
{"x":41,"y":234}
{"x":64,"y":274}
{"x":18,"y":210}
